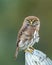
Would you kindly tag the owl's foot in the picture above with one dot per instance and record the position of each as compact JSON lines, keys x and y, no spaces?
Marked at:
{"x":30,"y":49}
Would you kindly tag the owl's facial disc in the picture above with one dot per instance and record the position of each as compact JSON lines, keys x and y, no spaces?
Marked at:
{"x":32,"y":22}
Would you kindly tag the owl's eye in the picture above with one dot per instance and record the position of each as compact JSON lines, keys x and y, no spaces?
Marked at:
{"x":28,"y":22}
{"x":35,"y":24}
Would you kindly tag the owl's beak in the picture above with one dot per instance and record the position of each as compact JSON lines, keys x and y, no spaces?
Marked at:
{"x":31,"y":22}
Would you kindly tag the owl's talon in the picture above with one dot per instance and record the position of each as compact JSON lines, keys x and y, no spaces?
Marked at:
{"x":30,"y":49}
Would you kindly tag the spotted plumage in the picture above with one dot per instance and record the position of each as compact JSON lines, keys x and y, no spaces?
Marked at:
{"x":28,"y":34}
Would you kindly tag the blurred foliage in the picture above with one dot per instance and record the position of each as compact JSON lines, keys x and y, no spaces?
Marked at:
{"x":12,"y":14}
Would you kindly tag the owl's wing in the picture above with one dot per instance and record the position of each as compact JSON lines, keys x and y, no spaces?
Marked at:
{"x":23,"y":28}
{"x":37,"y":58}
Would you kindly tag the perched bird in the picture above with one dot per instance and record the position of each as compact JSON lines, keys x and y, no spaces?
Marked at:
{"x":28,"y":34}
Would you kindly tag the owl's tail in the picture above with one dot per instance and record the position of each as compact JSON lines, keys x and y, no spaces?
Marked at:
{"x":17,"y":48}
{"x":16,"y":53}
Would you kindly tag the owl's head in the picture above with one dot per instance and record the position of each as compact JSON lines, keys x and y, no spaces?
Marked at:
{"x":32,"y":21}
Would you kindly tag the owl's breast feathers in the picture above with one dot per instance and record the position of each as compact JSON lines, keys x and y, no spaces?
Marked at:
{"x":25,"y":33}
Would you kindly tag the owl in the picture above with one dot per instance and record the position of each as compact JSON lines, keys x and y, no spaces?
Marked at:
{"x":28,"y":34}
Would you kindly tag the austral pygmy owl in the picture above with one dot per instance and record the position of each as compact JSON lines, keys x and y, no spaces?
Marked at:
{"x":28,"y":34}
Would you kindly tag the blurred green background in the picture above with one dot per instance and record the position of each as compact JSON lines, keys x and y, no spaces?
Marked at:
{"x":12,"y":14}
